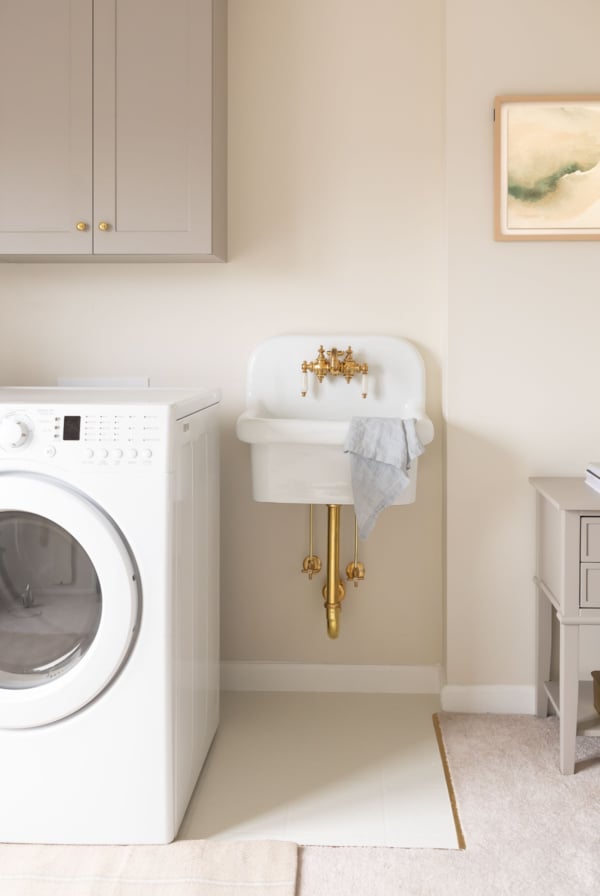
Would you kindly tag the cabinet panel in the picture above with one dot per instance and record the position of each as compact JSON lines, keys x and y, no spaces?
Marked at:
{"x":589,"y":593}
{"x":153,"y":126}
{"x":590,"y":538}
{"x":549,"y":537}
{"x":46,"y":130}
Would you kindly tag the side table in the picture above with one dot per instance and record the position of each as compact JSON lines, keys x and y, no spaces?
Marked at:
{"x":567,"y":583}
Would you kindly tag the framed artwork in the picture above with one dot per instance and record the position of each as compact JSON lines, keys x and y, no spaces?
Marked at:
{"x":547,"y":167}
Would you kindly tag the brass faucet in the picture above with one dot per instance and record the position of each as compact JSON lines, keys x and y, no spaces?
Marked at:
{"x":337,"y":363}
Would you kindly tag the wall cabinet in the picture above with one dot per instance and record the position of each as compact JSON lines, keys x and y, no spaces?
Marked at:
{"x":113,"y":135}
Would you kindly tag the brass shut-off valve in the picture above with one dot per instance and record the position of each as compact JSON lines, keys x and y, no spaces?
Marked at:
{"x":355,"y":571}
{"x":311,"y":564}
{"x":337,"y":363}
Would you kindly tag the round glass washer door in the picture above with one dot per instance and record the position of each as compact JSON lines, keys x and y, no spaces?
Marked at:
{"x":68,"y":601}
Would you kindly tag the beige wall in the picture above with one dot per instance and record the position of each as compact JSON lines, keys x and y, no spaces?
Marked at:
{"x":523,"y":363}
{"x":335,"y":224}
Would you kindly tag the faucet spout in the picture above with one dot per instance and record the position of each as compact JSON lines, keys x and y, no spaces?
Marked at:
{"x":334,"y":364}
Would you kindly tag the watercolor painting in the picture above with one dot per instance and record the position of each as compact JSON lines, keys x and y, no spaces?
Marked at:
{"x":547,"y":167}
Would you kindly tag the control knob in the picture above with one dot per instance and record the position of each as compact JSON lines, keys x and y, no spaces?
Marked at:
{"x":13,"y":432}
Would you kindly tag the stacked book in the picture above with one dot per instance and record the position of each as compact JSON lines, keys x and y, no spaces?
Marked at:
{"x":592,"y":475}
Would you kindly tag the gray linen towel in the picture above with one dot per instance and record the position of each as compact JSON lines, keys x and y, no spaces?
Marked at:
{"x":381,"y":450}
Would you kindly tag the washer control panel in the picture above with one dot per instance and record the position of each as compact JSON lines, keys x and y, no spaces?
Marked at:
{"x":100,"y":436}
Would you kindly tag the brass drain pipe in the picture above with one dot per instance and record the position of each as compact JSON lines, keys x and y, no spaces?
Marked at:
{"x":334,"y":590}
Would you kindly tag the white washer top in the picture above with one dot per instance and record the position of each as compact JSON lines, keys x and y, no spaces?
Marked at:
{"x":185,"y":401}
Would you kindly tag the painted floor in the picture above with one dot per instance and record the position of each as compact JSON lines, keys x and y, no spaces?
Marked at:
{"x":324,"y":769}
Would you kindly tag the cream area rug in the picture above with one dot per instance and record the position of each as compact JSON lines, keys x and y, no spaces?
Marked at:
{"x":185,"y":868}
{"x":528,"y":830}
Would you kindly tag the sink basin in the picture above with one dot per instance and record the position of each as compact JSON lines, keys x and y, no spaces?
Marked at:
{"x":296,"y":442}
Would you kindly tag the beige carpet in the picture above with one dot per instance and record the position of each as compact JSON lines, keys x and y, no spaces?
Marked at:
{"x":186,"y":868}
{"x":529,"y":830}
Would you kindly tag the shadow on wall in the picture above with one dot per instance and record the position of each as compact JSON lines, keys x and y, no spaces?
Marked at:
{"x":490,"y":558}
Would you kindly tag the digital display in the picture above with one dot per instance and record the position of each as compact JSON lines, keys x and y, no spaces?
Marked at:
{"x":71,"y":429}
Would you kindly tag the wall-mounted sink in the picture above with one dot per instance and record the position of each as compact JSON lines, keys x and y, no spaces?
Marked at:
{"x":296,"y":442}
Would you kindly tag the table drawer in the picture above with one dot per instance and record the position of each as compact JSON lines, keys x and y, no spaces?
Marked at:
{"x":589,"y":585}
{"x":590,"y":539}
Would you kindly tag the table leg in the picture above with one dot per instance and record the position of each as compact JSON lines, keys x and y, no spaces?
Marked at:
{"x":568,"y":695}
{"x":543,"y":642}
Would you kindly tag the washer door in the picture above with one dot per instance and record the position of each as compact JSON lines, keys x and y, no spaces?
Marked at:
{"x":68,"y":601}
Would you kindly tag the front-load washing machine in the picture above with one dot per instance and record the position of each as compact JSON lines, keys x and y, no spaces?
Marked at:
{"x":109,"y":610}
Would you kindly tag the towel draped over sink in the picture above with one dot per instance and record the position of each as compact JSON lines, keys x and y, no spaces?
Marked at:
{"x":381,"y":450}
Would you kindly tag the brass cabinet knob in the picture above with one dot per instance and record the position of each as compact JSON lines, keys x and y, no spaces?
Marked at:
{"x":103,"y":225}
{"x":81,"y":225}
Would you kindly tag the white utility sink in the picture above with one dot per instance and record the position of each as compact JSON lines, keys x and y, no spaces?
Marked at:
{"x":296,"y":442}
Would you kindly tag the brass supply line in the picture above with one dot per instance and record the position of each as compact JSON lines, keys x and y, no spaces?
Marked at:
{"x":334,"y":590}
{"x":311,"y":564}
{"x":337,"y":363}
{"x":355,"y":569}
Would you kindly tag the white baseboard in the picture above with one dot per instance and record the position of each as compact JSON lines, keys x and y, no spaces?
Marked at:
{"x":325,"y":678}
{"x":238,"y":676}
{"x":494,"y":698}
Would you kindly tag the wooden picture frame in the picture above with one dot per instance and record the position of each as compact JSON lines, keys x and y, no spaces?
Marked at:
{"x":547,"y":167}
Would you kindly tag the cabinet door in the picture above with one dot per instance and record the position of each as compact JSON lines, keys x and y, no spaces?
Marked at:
{"x":45,"y":126}
{"x":153,"y":127}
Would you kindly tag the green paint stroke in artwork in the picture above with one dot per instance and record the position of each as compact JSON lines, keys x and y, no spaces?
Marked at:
{"x":545,"y":185}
